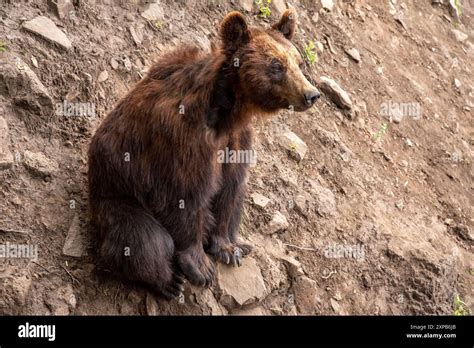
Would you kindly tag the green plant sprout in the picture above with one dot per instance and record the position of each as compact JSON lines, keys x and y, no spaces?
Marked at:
{"x":457,"y":4}
{"x":381,"y":131}
{"x":158,"y":24}
{"x":460,"y":308}
{"x":309,"y":53}
{"x":264,"y":8}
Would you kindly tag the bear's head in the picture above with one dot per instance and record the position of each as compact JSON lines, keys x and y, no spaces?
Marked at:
{"x":269,"y":65}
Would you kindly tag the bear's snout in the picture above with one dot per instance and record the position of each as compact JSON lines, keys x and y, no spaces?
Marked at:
{"x":311,"y":96}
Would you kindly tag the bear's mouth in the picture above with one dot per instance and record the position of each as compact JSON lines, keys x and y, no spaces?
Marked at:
{"x":302,"y":107}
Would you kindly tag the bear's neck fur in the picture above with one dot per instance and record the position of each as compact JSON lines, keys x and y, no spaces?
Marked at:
{"x":226,"y":112}
{"x":207,"y":85}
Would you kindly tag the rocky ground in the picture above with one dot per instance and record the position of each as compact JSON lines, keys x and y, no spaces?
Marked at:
{"x":352,"y":210}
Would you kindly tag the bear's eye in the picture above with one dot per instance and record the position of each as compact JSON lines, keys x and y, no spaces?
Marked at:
{"x":276,"y":70}
{"x":276,"y":66}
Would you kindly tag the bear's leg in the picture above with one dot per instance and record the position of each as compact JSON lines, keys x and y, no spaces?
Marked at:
{"x":198,"y":268}
{"x":222,"y":241}
{"x":136,"y":246}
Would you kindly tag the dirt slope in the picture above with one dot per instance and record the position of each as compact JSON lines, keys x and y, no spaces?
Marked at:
{"x":378,"y":212}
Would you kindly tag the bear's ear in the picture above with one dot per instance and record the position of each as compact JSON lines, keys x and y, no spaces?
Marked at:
{"x":287,"y":23}
{"x":234,"y":32}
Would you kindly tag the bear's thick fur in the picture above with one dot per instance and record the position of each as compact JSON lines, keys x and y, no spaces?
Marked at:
{"x":158,"y":195}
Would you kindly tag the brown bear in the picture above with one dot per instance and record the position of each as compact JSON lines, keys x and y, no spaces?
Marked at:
{"x":158,"y":195}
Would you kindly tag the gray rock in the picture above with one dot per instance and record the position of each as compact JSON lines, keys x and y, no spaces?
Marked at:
{"x":251,"y":311}
{"x":289,"y":177}
{"x":61,"y":8}
{"x":277,"y":224}
{"x":291,"y":142}
{"x":61,"y":301}
{"x":305,"y":291}
{"x":103,"y":76}
{"x":21,"y":286}
{"x":345,"y":153}
{"x":335,"y":306}
{"x":279,"y":5}
{"x":154,"y":12}
{"x":132,"y":304}
{"x":114,"y":63}
{"x":260,"y":200}
{"x":274,"y":248}
{"x":457,"y":83}
{"x":399,"y":16}
{"x":464,"y":232}
{"x":293,"y":266}
{"x":75,"y":244}
{"x":241,"y":285}
{"x":459,"y":35}
{"x":6,"y":157}
{"x":45,"y":27}
{"x":127,"y":63}
{"x":319,"y":47}
{"x":39,"y":164}
{"x":136,"y":34}
{"x":247,"y":5}
{"x":328,"y":5}
{"x":151,"y":305}
{"x":336,"y":93}
{"x":273,"y":272}
{"x":354,"y":54}
{"x":21,"y":84}
{"x":396,"y":115}
{"x":34,"y":61}
{"x":325,"y":200}
{"x":205,"y":297}
{"x":301,"y":203}
{"x":14,"y":292}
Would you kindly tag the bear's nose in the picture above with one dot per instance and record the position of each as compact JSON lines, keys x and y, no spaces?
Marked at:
{"x":311,"y":97}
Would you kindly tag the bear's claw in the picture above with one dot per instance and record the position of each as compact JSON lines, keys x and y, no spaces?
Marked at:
{"x":172,"y":289}
{"x":229,"y":253}
{"x":197,"y":267}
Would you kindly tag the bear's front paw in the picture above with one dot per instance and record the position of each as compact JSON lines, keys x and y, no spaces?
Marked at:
{"x":196,"y":266}
{"x":227,"y":252}
{"x":170,"y":289}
